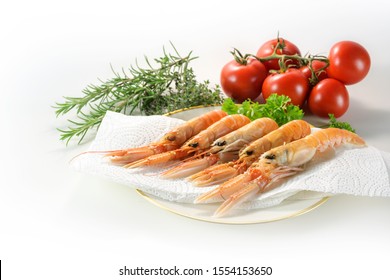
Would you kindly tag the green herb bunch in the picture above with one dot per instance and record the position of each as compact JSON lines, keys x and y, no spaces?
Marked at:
{"x":168,"y":85}
{"x":333,"y":122}
{"x":277,"y":107}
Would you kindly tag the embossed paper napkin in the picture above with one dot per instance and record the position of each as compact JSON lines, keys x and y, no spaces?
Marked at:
{"x":359,"y":171}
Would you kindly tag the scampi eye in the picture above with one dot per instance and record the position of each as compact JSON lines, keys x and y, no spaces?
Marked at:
{"x":270,"y":156}
{"x":249,"y":153}
{"x":171,"y":137}
{"x":193,"y":145}
{"x":220,"y":144}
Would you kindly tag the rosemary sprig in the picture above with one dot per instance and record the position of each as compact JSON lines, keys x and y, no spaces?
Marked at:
{"x":168,"y":86}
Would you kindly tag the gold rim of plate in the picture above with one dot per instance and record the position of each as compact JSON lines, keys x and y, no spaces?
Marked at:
{"x":222,"y":221}
{"x":210,"y":220}
{"x":191,"y":108}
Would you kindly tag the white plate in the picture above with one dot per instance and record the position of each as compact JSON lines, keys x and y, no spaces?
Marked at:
{"x":287,"y":209}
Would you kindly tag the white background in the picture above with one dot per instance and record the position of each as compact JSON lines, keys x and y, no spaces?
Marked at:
{"x":59,"y":224}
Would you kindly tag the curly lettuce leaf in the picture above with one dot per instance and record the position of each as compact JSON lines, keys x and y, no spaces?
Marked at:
{"x":277,"y":107}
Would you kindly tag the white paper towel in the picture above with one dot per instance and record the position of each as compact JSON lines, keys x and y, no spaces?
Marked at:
{"x":359,"y":171}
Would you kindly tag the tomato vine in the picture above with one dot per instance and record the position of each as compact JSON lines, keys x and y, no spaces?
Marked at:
{"x":284,"y":58}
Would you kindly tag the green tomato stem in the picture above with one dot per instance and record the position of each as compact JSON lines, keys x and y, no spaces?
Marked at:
{"x":283,"y":58}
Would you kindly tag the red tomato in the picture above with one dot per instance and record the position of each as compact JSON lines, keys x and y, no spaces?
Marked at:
{"x":241,"y":82}
{"x":316,"y":65}
{"x":291,"y":83}
{"x":349,"y":62}
{"x":329,"y":96}
{"x":268,"y":48}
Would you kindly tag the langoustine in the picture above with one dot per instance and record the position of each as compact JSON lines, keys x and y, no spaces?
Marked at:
{"x":276,"y":164}
{"x":172,"y":140}
{"x":224,"y":149}
{"x":218,"y":174}
{"x":197,"y":144}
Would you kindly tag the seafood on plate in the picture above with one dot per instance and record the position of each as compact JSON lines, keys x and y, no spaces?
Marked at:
{"x":218,"y":174}
{"x":197,"y":144}
{"x":224,"y":149}
{"x":275,"y":164}
{"x":172,"y":140}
